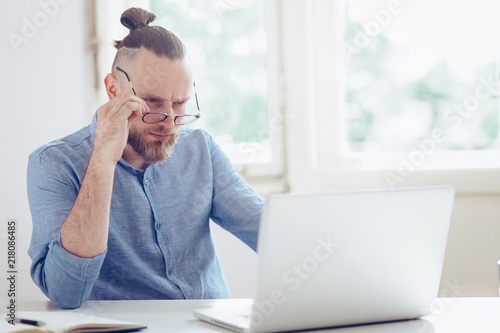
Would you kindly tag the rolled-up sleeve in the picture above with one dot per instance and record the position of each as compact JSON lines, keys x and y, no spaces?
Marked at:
{"x":64,"y":278}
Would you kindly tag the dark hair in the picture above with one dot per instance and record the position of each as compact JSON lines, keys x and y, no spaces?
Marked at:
{"x":156,"y":39}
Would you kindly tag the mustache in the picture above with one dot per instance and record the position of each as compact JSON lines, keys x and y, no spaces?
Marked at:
{"x":165,"y":131}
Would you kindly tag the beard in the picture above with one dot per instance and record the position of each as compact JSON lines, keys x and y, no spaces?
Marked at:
{"x":157,"y":151}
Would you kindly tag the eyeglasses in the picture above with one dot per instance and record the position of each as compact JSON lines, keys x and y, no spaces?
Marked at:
{"x":156,"y":117}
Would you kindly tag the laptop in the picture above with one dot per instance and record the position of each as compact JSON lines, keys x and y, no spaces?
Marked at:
{"x":344,"y":258}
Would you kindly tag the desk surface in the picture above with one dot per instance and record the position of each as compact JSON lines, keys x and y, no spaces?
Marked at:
{"x":450,"y":315}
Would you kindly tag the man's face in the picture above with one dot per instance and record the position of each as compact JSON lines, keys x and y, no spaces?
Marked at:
{"x":165,"y":85}
{"x":158,"y":150}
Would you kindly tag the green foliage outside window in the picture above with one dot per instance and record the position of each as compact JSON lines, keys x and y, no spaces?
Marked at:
{"x":385,"y":114}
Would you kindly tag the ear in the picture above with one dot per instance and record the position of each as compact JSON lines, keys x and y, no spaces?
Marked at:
{"x":112,"y":86}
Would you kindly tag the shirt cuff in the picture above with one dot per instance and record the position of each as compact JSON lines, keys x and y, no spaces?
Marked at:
{"x":82,"y":269}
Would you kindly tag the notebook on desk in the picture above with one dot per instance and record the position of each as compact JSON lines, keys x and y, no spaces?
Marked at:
{"x":344,"y":258}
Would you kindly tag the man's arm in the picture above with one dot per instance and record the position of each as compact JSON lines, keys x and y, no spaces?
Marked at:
{"x":235,"y":207}
{"x":64,"y":278}
{"x":85,"y":231}
{"x":71,"y":217}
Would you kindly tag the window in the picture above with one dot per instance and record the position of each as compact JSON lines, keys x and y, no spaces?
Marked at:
{"x":343,"y":135}
{"x":227,"y":44}
{"x":416,"y":83}
{"x":418,"y":70}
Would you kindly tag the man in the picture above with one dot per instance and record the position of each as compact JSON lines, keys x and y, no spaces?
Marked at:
{"x":118,"y":213}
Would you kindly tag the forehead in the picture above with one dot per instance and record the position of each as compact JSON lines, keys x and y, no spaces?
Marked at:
{"x":161,"y":75}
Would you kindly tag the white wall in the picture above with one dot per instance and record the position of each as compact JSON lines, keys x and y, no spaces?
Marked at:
{"x":44,"y":96}
{"x":474,"y":244}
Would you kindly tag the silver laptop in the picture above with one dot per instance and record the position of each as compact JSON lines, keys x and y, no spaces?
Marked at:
{"x":344,"y":258}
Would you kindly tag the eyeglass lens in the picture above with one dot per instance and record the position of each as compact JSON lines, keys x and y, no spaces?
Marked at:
{"x":156,"y":117}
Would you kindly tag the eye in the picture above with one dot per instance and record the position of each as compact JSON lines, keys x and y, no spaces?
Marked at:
{"x":153,"y":103}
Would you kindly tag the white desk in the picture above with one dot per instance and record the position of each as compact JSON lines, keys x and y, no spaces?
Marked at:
{"x":451,"y":315}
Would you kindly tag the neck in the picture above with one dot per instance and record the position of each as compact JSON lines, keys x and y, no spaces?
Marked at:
{"x":131,"y":157}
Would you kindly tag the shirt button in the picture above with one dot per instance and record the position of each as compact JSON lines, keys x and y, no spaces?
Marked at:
{"x":146,"y":182}
{"x":170,"y":271}
{"x":158,"y":226}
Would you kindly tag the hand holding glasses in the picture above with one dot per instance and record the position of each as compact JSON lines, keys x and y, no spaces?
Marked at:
{"x":156,"y":117}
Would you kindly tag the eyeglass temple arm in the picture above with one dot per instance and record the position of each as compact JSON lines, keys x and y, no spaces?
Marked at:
{"x":128,"y":79}
{"x":196,"y":97}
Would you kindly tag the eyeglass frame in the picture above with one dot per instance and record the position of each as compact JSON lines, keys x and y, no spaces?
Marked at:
{"x":197,"y":116}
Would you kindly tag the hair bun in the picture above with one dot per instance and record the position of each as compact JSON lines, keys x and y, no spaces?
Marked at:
{"x":136,"y":18}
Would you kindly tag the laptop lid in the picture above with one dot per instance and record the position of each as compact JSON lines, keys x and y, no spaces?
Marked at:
{"x":347,"y":257}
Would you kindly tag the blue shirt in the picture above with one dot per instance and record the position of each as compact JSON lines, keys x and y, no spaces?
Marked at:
{"x":159,"y":245}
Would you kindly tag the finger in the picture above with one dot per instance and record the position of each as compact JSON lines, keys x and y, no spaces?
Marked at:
{"x":144,"y":105}
{"x":134,"y":116}
{"x":137,"y":114}
{"x":144,"y":108}
{"x":124,"y":107}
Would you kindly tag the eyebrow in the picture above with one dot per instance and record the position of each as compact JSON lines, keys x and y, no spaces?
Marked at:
{"x":149,"y":96}
{"x":162,"y":100}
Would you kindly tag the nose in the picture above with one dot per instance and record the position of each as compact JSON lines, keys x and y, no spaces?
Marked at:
{"x":167,"y":122}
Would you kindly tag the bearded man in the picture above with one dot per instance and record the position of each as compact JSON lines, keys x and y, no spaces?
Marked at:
{"x":121,"y":208}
